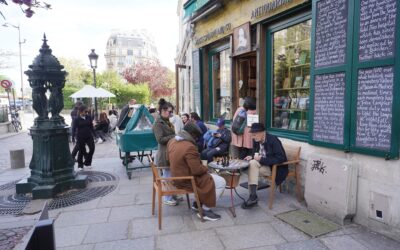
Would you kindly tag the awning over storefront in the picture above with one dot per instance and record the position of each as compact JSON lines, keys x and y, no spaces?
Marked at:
{"x":193,"y":5}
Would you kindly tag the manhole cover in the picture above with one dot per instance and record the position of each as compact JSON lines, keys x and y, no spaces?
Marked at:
{"x":105,"y":184}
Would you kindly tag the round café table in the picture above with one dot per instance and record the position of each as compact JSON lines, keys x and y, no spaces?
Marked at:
{"x":234,"y":168}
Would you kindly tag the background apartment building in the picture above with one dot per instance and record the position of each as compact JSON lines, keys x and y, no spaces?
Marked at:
{"x":126,"y":48}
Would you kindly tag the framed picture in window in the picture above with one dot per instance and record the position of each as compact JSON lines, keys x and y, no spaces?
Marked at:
{"x":241,"y":39}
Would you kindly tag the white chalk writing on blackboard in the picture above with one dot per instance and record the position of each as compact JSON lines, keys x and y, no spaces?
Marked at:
{"x":331,"y":33}
{"x":328,"y":124}
{"x":374,"y":108}
{"x":377,"y":29}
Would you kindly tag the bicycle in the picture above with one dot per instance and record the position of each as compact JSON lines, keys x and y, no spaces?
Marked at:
{"x":16,"y":123}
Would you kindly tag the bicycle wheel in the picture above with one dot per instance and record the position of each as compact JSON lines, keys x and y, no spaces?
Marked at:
{"x":15,"y":126}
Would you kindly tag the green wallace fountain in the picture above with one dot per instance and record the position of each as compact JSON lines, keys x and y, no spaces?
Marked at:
{"x":52,"y":166}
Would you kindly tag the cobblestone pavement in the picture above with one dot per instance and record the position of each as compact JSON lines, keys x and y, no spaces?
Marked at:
{"x":123,"y":219}
{"x":9,"y":238}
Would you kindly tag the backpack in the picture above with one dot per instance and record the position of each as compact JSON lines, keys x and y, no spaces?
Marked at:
{"x":239,"y":123}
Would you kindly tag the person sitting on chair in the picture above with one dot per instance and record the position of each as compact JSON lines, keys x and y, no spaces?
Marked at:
{"x":185,"y":160}
{"x":219,"y":142}
{"x":267,"y":151}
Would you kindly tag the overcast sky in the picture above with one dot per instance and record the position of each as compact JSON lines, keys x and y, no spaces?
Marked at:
{"x":73,"y":27}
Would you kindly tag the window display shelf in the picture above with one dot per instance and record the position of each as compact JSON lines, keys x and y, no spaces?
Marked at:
{"x":292,"y":68}
{"x":291,"y":89}
{"x":294,"y":110}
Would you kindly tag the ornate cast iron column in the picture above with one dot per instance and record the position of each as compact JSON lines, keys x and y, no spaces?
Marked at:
{"x":52,"y":166}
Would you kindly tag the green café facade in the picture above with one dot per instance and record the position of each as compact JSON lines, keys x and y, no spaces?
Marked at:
{"x":326,"y":75}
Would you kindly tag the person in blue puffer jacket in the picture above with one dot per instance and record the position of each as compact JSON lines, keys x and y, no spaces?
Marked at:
{"x":196,"y":119}
{"x":218,"y":143}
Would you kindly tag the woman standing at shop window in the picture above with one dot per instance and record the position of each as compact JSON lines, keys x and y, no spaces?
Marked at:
{"x":242,"y":144}
{"x":164,"y":131}
{"x":83,"y":126}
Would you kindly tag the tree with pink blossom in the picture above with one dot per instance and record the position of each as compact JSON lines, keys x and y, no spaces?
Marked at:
{"x":27,"y":6}
{"x":159,"y":78}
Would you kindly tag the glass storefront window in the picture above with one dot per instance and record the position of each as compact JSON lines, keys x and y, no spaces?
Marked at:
{"x":221,"y":84}
{"x":291,"y":77}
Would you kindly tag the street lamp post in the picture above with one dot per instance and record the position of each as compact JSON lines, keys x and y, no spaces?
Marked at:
{"x":93,"y":64}
{"x":20,"y":58}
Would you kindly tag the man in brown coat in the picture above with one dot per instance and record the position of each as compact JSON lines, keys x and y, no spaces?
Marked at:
{"x":184,"y":160}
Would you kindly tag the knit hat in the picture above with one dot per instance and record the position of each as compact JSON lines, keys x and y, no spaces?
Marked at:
{"x":192,"y":128}
{"x":257,"y":127}
{"x":221,"y":122}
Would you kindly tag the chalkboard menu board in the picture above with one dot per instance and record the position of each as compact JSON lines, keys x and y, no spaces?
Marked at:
{"x":377,"y":29}
{"x":196,"y":80}
{"x":374,"y":107}
{"x":331,"y":33}
{"x":328,"y":124}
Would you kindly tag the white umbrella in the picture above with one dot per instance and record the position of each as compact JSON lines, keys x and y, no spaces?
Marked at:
{"x":88,"y":91}
{"x":104,"y":93}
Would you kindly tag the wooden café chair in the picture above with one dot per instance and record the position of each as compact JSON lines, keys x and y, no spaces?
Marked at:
{"x":293,"y":158}
{"x":164,"y":187}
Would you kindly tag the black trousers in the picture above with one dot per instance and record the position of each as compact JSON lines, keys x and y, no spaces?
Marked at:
{"x":82,"y":142}
{"x":209,"y":153}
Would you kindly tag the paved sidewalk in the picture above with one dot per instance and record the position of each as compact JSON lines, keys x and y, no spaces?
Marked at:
{"x":123,"y":220}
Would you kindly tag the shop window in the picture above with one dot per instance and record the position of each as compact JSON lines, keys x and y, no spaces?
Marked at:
{"x":247,"y":78}
{"x":221,"y":84}
{"x":291,"y":77}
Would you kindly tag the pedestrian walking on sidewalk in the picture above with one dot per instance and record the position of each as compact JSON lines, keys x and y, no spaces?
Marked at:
{"x":83,"y":129}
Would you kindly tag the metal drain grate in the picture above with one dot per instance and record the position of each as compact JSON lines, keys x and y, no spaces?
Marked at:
{"x":13,"y":204}
{"x":96,"y":176}
{"x":8,"y":186}
{"x":105,"y":184}
{"x":80,"y":196}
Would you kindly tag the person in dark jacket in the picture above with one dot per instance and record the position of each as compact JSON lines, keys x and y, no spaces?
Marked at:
{"x":196,"y":119}
{"x":219,"y":143}
{"x":74,"y":115}
{"x":267,"y":151}
{"x":126,"y":112}
{"x":83,"y":128}
{"x":102,"y":127}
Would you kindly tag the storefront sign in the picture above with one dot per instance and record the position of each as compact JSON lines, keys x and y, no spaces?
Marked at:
{"x":268,"y":7}
{"x":252,"y":119}
{"x":220,"y":31}
{"x":220,"y":24}
{"x":241,"y":39}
